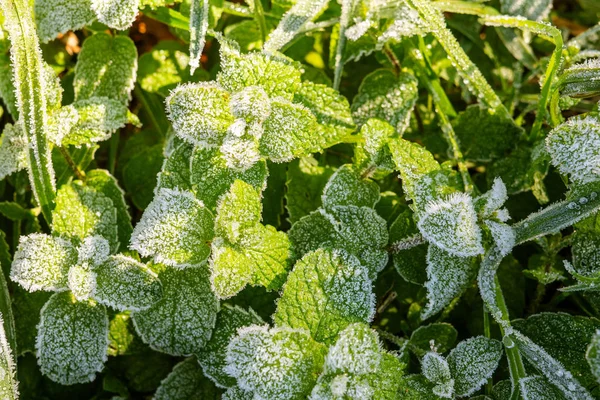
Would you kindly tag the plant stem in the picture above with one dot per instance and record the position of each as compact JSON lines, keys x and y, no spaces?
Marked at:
{"x":347,"y":7}
{"x":112,"y":154}
{"x":259,"y":16}
{"x":78,"y":173}
{"x":393,"y":59}
{"x":487,"y":332}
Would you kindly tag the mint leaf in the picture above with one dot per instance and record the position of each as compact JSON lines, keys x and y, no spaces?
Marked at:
{"x":186,"y":382}
{"x":346,"y":187}
{"x":340,"y":294}
{"x":436,"y":369}
{"x":175,"y":229}
{"x":13,"y":150}
{"x":537,"y":388}
{"x":8,"y":383}
{"x":59,"y":16}
{"x":437,"y":336}
{"x":593,"y":357}
{"x":117,"y":14}
{"x":182,"y":321}
{"x":175,"y":171}
{"x":372,"y":154}
{"x":277,"y":363}
{"x":72,"y":339}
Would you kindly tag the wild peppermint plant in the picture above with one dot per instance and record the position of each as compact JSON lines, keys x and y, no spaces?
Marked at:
{"x":308,"y":199}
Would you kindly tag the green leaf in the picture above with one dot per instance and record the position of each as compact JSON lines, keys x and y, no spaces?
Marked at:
{"x":212,"y":356}
{"x":236,"y":393}
{"x":436,"y":369}
{"x":386,"y":96}
{"x":538,"y":388}
{"x":139,"y":175}
{"x":7,"y":86}
{"x":15,"y":212}
{"x":96,"y":213}
{"x":552,"y":330}
{"x":211,"y":178}
{"x":180,"y":323}
{"x":126,"y":284}
{"x":593,"y":357}
{"x":26,"y":308}
{"x":372,"y":154}
{"x":175,"y":229}
{"x":283,"y":141}
{"x":117,"y":14}
{"x":106,"y":67}
{"x":82,"y":282}
{"x":60,"y":16}
{"x":102,"y":181}
{"x":447,"y":277}
{"x":42,"y":262}
{"x":441,"y":336}
{"x":199,"y":15}
{"x":355,"y":365}
{"x":186,"y":382}
{"x":301,"y":13}
{"x":13,"y":150}
{"x":530,"y":9}
{"x":473,"y":362}
{"x":306,"y":180}
{"x":9,"y":387}
{"x":326,"y":292}
{"x":484,"y":135}
{"x":200,"y":113}
{"x":357,"y":230}
{"x":72,"y":339}
{"x":408,"y":248}
{"x":276,"y":364}
{"x":175,"y":172}
{"x":347,"y":188}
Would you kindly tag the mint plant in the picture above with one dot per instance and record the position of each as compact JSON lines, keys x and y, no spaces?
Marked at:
{"x":203,"y":199}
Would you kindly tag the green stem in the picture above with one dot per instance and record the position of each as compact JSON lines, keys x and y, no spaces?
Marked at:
{"x":259,"y":16}
{"x":78,"y":173}
{"x":112,"y":154}
{"x":347,"y":8}
{"x":487,"y":332}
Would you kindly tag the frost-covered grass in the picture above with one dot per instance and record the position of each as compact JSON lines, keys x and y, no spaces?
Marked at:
{"x":307,"y":199}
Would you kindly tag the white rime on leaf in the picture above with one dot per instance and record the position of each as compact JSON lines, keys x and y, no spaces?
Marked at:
{"x":302,"y":12}
{"x":186,"y":382}
{"x":575,"y":148}
{"x":252,"y":104}
{"x":592,"y":355}
{"x":240,"y":209}
{"x":237,"y":393}
{"x":212,"y":356}
{"x":60,"y":123}
{"x":538,"y":388}
{"x":531,"y":9}
{"x":59,"y":16}
{"x":42,"y":262}
{"x":436,"y":369}
{"x":406,"y":23}
{"x":447,"y":277}
{"x":240,"y":154}
{"x":356,"y":351}
{"x":182,"y":321}
{"x":472,"y":362}
{"x":72,"y":341}
{"x":198,"y":28}
{"x":117,"y":14}
{"x":126,"y":284}
{"x":340,"y":294}
{"x":451,"y":224}
{"x":200,"y":113}
{"x":175,"y":229}
{"x":503,"y":235}
{"x":275,"y":364}
{"x":82,"y":282}
{"x":93,"y":249}
{"x":9,"y":387}
{"x":492,"y":200}
{"x":345,"y":188}
{"x":552,"y":369}
{"x":13,"y":150}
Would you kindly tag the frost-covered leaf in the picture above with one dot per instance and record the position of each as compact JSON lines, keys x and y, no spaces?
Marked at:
{"x":451,"y":224}
{"x":331,"y":110}
{"x":346,"y":187}
{"x":492,"y":200}
{"x":275,"y":364}
{"x":42,"y":262}
{"x":301,"y":13}
{"x":472,"y":362}
{"x":82,"y":282}
{"x":13,"y":150}
{"x":538,"y":388}
{"x":186,"y":382}
{"x":9,"y":387}
{"x":386,"y":96}
{"x":200,"y":113}
{"x":182,"y":321}
{"x":326,"y":291}
{"x":306,"y":180}
{"x":408,"y":248}
{"x":289,"y":132}
{"x":237,"y":393}
{"x":239,"y":211}
{"x":95,"y":214}
{"x":106,"y":67}
{"x":126,"y":284}
{"x":447,"y":277}
{"x":199,"y":15}
{"x":175,"y":229}
{"x":436,"y":369}
{"x":372,"y":153}
{"x":117,"y":14}
{"x":59,"y":16}
{"x":530,"y":9}
{"x":211,"y":178}
{"x":276,"y":76}
{"x":212,"y":356}
{"x":503,"y":235}
{"x":72,"y":340}
{"x":439,"y":337}
{"x":175,"y":171}
{"x":574,"y":146}
{"x":580,"y":80}
{"x":356,"y":368}
{"x":592,"y":355}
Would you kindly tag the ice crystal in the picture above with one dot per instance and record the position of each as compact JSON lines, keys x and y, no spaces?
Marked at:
{"x":451,"y":224}
{"x":240,"y":154}
{"x":93,"y":249}
{"x":42,"y":262}
{"x":574,"y":146}
{"x":72,"y":341}
{"x":275,"y":364}
{"x":340,"y":294}
{"x":117,"y":14}
{"x":13,"y":150}
{"x":59,"y":16}
{"x":182,"y":321}
{"x":175,"y":229}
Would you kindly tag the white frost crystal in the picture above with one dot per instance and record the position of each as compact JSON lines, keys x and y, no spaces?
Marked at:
{"x":451,"y":224}
{"x":13,"y":150}
{"x":117,"y":14}
{"x":94,"y":249}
